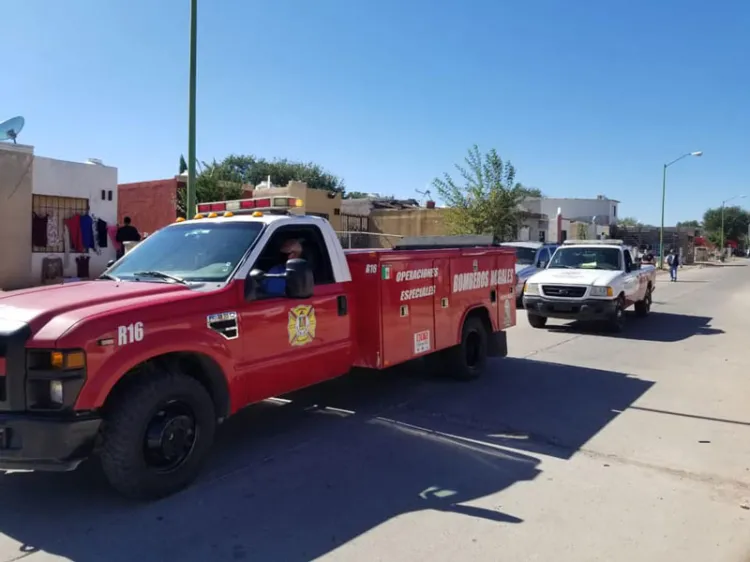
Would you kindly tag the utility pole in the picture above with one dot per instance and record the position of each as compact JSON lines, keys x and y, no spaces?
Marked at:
{"x":190,"y":192}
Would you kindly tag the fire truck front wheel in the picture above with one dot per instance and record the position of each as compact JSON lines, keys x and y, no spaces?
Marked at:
{"x":156,"y":435}
{"x":468,"y":359}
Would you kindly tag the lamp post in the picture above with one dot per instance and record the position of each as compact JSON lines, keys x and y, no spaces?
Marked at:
{"x":663,"y":200}
{"x":723,"y":203}
{"x":190,"y":191}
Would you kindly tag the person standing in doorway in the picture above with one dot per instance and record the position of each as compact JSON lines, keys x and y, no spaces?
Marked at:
{"x":673,"y":260}
{"x":126,"y":233}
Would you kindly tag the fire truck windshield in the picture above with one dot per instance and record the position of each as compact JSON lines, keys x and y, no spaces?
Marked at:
{"x":201,"y":252}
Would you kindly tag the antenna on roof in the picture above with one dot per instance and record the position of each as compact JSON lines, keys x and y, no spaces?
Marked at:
{"x":9,"y":129}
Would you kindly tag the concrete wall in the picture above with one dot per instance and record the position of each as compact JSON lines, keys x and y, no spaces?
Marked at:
{"x":73,"y":179}
{"x":151,"y":205}
{"x":16,"y":180}
{"x":408,"y":222}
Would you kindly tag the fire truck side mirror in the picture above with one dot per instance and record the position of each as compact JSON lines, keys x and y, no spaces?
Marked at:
{"x":253,"y":282}
{"x":299,"y":279}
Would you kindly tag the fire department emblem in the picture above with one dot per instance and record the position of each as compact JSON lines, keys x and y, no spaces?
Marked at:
{"x":301,"y":325}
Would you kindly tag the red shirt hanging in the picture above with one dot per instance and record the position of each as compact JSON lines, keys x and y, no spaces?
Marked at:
{"x":74,"y":230}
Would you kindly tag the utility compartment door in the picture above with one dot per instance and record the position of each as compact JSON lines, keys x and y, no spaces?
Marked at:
{"x":446,"y":316}
{"x":407,"y":292}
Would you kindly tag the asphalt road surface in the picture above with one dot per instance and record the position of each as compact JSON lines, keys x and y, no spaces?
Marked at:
{"x":578,"y":447}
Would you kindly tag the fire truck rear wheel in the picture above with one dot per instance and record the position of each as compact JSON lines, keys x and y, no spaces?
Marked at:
{"x":156,"y":435}
{"x":468,"y":359}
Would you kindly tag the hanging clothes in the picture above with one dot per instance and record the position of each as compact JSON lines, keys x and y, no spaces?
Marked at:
{"x":53,"y":229}
{"x":66,"y":247}
{"x":39,"y":230}
{"x":87,"y":232}
{"x":74,"y":230}
{"x":101,"y":233}
{"x":112,"y":233}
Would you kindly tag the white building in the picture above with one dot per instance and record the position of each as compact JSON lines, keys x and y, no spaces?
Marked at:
{"x":598,"y":214}
{"x":58,"y":190}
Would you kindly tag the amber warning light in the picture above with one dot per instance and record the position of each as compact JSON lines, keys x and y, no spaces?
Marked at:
{"x":248,"y":205}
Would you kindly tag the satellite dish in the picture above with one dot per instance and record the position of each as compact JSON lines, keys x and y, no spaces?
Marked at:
{"x":9,"y":129}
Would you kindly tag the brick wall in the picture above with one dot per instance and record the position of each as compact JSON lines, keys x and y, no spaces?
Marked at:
{"x":150,"y":204}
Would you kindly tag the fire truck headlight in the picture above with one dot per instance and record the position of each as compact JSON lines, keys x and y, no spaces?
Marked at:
{"x":56,"y":393}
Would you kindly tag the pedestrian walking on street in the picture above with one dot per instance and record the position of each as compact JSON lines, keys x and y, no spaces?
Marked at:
{"x":674,"y":262}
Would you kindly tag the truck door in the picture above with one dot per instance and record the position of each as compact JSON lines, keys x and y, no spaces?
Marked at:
{"x":292,"y":343}
{"x":631,"y":278}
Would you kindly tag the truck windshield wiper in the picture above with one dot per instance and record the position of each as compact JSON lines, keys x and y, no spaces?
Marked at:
{"x":160,"y":275}
{"x":109,"y":277}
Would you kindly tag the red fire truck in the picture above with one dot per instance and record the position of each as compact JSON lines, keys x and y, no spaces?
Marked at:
{"x":211,"y":314}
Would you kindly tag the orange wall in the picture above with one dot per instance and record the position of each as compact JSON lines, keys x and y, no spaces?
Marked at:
{"x":150,"y":204}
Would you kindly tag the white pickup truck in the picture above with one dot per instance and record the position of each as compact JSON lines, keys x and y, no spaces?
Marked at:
{"x":590,"y":280}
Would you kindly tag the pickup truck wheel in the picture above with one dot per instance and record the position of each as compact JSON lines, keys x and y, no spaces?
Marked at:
{"x":537,"y":321}
{"x":643,"y":307}
{"x":617,"y":320}
{"x":157,"y":435}
{"x":468,"y":360}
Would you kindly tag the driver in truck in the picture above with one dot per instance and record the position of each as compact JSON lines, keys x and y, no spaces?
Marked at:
{"x":276,"y":286}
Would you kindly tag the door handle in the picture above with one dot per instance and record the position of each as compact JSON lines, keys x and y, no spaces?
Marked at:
{"x":343,"y":308}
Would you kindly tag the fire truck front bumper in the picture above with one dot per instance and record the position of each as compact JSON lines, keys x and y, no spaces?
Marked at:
{"x":31,"y":442}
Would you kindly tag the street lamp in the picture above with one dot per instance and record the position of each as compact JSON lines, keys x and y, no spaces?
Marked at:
{"x":663,"y":199}
{"x":190,"y":191}
{"x":723,"y":203}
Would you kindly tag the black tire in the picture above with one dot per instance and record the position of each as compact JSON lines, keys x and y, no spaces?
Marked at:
{"x":643,"y":307}
{"x":133,"y":464}
{"x":468,"y":360}
{"x":616,"y":322}
{"x":537,"y":321}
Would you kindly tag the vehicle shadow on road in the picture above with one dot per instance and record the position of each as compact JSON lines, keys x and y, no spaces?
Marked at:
{"x":663,"y":327}
{"x":295,"y":479}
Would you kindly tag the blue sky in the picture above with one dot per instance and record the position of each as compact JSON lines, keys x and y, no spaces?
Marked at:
{"x":585,"y":97}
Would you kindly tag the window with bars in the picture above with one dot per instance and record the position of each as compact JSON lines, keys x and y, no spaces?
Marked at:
{"x":48,"y":215}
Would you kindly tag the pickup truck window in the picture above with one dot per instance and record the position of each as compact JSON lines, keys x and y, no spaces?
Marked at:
{"x":576,"y":257}
{"x":524,"y":256}
{"x":206,"y":251}
{"x":314,"y":251}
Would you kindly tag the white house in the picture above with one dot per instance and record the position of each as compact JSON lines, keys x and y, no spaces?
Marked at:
{"x":600,"y":213}
{"x":37,"y":196}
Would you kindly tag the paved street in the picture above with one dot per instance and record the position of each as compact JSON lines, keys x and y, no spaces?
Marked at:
{"x":579,"y":447}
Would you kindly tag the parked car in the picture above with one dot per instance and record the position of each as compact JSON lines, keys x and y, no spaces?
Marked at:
{"x":590,"y":280}
{"x":531,"y":257}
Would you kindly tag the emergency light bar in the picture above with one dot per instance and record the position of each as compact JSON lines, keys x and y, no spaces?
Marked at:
{"x":607,"y":242}
{"x":240,"y":206}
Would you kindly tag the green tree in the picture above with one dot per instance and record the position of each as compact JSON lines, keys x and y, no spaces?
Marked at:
{"x":736,"y":221}
{"x":356,"y":195}
{"x":534,"y":192}
{"x":690,"y":224}
{"x":485,"y":199}
{"x":252,"y":170}
{"x":628,"y":221}
{"x":219,"y":181}
{"x":183,"y":165}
